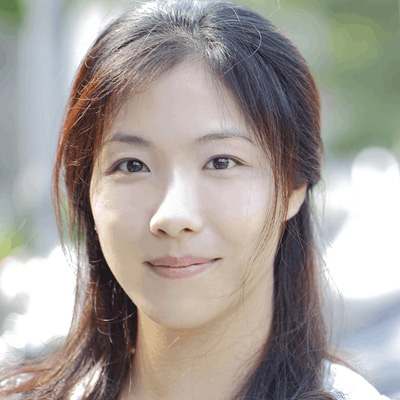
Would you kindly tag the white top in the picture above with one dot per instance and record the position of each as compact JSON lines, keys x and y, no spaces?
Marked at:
{"x":340,"y":379}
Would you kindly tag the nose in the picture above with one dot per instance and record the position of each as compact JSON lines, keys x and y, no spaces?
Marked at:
{"x":179,"y":209}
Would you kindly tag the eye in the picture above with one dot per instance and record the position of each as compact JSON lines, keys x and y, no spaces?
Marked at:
{"x":130,"y":166}
{"x":222,"y":162}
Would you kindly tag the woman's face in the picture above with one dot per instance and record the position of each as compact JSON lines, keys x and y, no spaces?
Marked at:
{"x":167,"y":183}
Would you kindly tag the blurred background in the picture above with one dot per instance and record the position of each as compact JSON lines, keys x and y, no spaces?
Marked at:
{"x":353,"y":49}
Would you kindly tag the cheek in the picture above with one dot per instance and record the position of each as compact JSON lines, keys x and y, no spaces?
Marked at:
{"x":241,"y":207}
{"x":121,"y":219}
{"x":119,"y":205}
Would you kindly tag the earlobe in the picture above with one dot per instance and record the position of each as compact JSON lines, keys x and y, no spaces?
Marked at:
{"x":295,"y":201}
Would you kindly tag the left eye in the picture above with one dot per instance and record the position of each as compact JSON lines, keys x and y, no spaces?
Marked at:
{"x":131,"y":166}
{"x":222,"y":162}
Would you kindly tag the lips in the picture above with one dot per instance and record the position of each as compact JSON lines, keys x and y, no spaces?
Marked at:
{"x":179,"y":262}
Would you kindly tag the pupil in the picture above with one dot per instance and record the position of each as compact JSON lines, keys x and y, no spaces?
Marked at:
{"x":225,"y":162}
{"x":133,"y":166}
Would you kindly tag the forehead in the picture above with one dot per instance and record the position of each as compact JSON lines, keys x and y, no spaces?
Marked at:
{"x":183,"y":103}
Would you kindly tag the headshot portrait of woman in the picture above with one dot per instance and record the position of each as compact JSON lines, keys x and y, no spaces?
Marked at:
{"x":184,"y":178}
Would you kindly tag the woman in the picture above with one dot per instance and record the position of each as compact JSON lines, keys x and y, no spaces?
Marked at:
{"x":186,"y":162}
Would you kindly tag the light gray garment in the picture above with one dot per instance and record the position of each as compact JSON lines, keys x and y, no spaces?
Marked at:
{"x":342,"y":380}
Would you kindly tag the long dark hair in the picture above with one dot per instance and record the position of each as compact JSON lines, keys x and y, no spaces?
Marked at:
{"x":273,"y":87}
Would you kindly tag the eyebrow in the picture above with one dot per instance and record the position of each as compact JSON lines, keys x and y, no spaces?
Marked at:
{"x":147,"y":144}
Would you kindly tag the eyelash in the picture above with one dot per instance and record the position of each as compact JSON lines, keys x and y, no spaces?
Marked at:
{"x":122,"y":162}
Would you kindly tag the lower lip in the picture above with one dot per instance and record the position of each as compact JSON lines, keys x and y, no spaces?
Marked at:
{"x":182,"y":272}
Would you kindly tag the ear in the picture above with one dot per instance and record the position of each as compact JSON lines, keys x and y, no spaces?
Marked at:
{"x":295,"y":201}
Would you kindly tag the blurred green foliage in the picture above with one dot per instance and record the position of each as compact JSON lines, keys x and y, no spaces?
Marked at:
{"x":10,"y":13}
{"x":366,"y":44}
{"x":10,"y":243}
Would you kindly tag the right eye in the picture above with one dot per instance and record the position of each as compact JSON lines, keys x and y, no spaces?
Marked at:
{"x":130,"y":166}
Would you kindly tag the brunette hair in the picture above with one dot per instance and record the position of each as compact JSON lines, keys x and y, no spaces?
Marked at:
{"x":274,"y":89}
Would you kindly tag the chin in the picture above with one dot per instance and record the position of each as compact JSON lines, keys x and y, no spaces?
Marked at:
{"x":188,"y":318}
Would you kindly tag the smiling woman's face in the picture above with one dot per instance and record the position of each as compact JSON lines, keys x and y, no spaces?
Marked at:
{"x":178,"y":175}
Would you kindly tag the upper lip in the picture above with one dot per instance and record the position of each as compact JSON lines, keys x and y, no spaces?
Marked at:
{"x":170,"y":261}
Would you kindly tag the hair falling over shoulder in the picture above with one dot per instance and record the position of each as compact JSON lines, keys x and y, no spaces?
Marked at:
{"x":273,"y":87}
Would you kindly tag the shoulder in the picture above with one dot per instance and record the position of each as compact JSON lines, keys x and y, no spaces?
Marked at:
{"x":342,"y":380}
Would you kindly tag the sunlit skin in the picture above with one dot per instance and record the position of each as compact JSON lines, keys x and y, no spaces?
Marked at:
{"x":195,"y":333}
